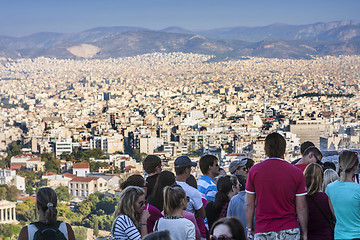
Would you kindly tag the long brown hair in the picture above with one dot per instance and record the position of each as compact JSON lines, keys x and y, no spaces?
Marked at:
{"x":173,"y":195}
{"x":314,"y":177}
{"x":347,"y":161}
{"x":46,"y":199}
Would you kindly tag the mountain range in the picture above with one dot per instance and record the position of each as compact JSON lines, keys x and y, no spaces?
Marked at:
{"x":276,"y":40}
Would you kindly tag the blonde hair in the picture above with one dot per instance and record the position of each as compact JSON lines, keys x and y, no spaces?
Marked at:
{"x":347,"y":162}
{"x":314,"y":177}
{"x":173,"y":195}
{"x":330,"y":176}
{"x":46,"y":199}
{"x":126,"y":203}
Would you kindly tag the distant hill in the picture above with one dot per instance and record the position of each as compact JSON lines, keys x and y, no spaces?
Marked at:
{"x":277,"y":40}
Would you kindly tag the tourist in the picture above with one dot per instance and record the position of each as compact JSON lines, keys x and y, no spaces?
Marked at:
{"x":152,"y":166}
{"x":47,"y":227}
{"x":228,"y":186}
{"x":165,"y":178}
{"x":344,"y":197}
{"x":330,"y":176}
{"x":320,"y":220}
{"x":278,"y":190}
{"x":226,"y":229}
{"x":155,"y":214}
{"x":175,"y":202}
{"x":130,"y":215}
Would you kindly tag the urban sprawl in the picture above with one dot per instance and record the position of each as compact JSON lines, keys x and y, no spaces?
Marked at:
{"x":168,"y":105}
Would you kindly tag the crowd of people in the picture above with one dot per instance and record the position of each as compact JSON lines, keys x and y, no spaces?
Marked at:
{"x":274,"y":199}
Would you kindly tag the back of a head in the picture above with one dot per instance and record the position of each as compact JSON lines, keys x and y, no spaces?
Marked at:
{"x":191,"y":180}
{"x":165,"y":178}
{"x":249,"y":163}
{"x":242,"y":181}
{"x":330,"y":176}
{"x":206,"y":161}
{"x":133,"y":180}
{"x":161,"y":235}
{"x":173,"y":195}
{"x":224,"y":186}
{"x":313,"y":150}
{"x":314,"y":178}
{"x":329,"y":165}
{"x":127,"y":198}
{"x":305,"y":145}
{"x":236,"y":228}
{"x":348,"y":160}
{"x":275,"y":145}
{"x":150,"y":163}
{"x":46,"y":199}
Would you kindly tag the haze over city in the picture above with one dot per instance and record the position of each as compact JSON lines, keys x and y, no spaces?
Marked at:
{"x":23,"y":17}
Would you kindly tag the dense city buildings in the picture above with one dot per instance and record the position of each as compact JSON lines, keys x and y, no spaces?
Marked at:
{"x":175,"y":104}
{"x":83,"y":126}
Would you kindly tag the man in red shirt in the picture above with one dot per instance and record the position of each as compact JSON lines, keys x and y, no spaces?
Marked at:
{"x":279,"y":190}
{"x":311,"y":155}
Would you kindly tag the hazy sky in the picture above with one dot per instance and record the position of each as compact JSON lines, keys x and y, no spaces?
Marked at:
{"x":23,"y":17}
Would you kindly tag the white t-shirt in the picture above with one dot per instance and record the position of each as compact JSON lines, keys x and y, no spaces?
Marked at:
{"x":179,"y":228}
{"x":195,"y":202}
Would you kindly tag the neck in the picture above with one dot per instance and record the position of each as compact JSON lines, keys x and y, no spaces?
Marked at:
{"x":176,"y":213}
{"x":210,"y":176}
{"x":41,"y":216}
{"x":349,"y":176}
{"x":181,"y":178}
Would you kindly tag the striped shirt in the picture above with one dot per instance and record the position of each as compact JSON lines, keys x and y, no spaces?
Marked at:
{"x":207,"y":188}
{"x":124,"y":228}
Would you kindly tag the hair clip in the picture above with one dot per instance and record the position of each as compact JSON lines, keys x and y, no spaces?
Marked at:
{"x":49,"y":204}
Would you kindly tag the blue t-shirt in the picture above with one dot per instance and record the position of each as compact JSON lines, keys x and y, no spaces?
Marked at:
{"x":345,"y":199}
{"x":207,"y":187}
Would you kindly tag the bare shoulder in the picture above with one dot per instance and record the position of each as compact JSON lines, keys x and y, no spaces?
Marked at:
{"x":71,"y":235}
{"x":23,"y":233}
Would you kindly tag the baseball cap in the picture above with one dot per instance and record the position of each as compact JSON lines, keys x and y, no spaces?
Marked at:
{"x":236,"y":164}
{"x":184,"y":161}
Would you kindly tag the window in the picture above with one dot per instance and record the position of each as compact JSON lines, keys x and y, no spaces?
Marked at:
{"x":77,"y":193}
{"x":71,"y":185}
{"x":87,"y":186}
{"x":82,"y":185}
{"x":100,"y":184}
{"x":77,"y":185}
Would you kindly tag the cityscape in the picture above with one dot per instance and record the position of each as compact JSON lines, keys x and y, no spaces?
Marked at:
{"x":93,"y":95}
{"x":167,"y":105}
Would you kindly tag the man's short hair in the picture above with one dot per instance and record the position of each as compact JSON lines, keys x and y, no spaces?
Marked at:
{"x":206,"y":161}
{"x":275,"y":145}
{"x":150,"y":163}
{"x":305,"y":145}
{"x":313,"y":150}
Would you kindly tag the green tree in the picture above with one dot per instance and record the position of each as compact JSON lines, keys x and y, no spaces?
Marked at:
{"x":85,"y":208}
{"x":96,"y":227}
{"x":107,"y":204}
{"x":29,"y":190}
{"x":12,"y":193}
{"x":25,"y":211}
{"x":7,"y":231}
{"x":63,"y":193}
{"x":80,"y":233}
{"x":3,"y":191}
